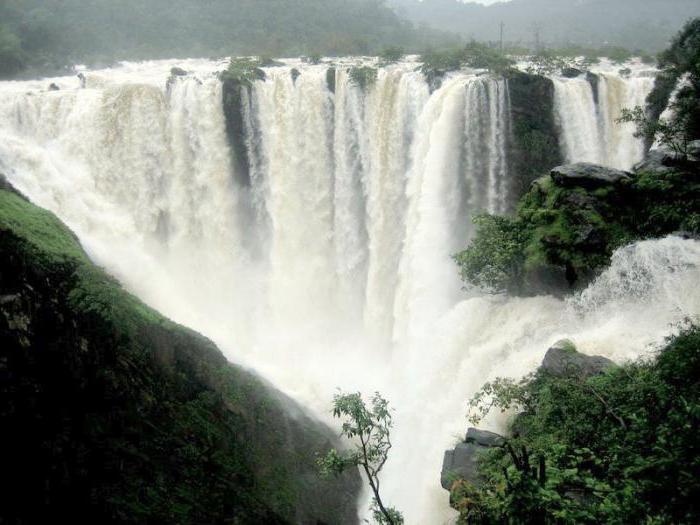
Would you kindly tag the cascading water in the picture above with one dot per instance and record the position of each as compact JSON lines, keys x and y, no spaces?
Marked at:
{"x":587,"y":109}
{"x":331,"y":267}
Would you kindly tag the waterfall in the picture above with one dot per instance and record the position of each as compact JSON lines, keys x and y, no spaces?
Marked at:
{"x":330,"y":268}
{"x":587,"y":113}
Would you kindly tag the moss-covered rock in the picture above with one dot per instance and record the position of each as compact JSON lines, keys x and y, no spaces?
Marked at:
{"x":111,"y":413}
{"x":534,"y":145}
{"x":569,"y":223}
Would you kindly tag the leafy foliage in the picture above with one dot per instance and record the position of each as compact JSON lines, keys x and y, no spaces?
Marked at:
{"x":614,"y":448}
{"x":363,"y":76}
{"x":680,"y":61}
{"x":56,"y":33}
{"x":369,"y":429}
{"x":572,"y":232}
{"x":435,"y":64}
{"x":495,"y":257}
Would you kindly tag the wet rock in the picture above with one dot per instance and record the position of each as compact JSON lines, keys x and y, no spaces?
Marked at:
{"x":462,"y":461}
{"x":54,"y":87}
{"x":295,"y":73}
{"x":563,"y":360}
{"x":660,"y":161}
{"x":589,"y":176}
{"x":330,"y":79}
{"x":484,"y":438}
{"x":571,"y":72}
{"x":178,"y":72}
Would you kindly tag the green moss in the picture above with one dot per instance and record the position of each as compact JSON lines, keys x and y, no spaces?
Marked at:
{"x":111,"y":408}
{"x":48,"y":240}
{"x":569,"y":233}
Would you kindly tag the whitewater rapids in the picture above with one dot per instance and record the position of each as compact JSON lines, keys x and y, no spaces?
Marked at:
{"x":331,"y":267}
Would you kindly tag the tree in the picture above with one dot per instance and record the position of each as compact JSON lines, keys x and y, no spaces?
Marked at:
{"x":368,"y":429}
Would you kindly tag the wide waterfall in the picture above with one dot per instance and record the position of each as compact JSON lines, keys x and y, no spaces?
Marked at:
{"x":328,"y":266}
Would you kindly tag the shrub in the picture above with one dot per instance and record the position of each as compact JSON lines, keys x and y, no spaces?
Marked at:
{"x":615,"y":448}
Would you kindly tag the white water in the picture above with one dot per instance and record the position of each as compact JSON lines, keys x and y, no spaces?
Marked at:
{"x":589,"y":129}
{"x":332,"y":269}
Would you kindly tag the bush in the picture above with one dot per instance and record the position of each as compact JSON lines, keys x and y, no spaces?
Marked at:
{"x":392,"y":54}
{"x":494,"y":259}
{"x":363,"y":76}
{"x":615,"y":448}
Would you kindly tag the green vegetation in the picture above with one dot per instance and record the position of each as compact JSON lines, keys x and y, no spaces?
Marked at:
{"x":565,"y":234}
{"x":369,"y":429}
{"x":681,"y":60}
{"x":363,"y":76}
{"x":392,"y":54}
{"x":617,"y":448}
{"x":435,"y":64}
{"x":47,"y":35}
{"x":110,"y":408}
{"x":245,"y":71}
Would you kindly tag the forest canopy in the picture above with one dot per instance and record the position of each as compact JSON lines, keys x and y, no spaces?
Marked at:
{"x":49,"y":34}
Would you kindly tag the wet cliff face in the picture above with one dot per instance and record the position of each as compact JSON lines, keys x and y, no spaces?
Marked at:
{"x":112,"y":413}
{"x":534,"y":146}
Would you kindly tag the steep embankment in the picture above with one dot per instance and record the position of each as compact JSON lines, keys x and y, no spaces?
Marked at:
{"x":111,"y":413}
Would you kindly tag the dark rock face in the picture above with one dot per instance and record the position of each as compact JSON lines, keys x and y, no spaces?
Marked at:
{"x":112,"y":413}
{"x":462,"y":461}
{"x":589,"y":176}
{"x":571,"y":72}
{"x":295,"y":73}
{"x":178,"y":72}
{"x":484,"y":438}
{"x":330,"y":79}
{"x":594,"y":81}
{"x":236,"y":126}
{"x":562,"y":360}
{"x":533,"y":137}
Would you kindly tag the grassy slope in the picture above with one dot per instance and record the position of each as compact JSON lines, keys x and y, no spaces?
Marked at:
{"x":117,"y":411}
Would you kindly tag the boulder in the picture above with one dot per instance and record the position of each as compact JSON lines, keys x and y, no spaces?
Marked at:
{"x":484,"y":438}
{"x":571,"y":72}
{"x":659,"y":160}
{"x":54,"y":87}
{"x":178,"y":72}
{"x":295,"y":73}
{"x":586,"y":175}
{"x":462,"y":461}
{"x":563,"y":360}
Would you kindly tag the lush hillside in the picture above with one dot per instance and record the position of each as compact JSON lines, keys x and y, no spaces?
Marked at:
{"x":593,"y":442}
{"x":636,"y":24}
{"x":45,"y":34}
{"x":113,"y":414}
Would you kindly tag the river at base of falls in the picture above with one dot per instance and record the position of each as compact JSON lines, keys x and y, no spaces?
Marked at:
{"x":332,"y":268}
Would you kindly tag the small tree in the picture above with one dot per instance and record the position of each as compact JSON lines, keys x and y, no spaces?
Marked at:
{"x":368,"y":429}
{"x":671,"y":133}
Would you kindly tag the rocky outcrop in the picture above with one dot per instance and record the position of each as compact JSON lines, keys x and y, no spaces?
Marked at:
{"x":563,"y":360}
{"x":462,"y":461}
{"x":112,"y":413}
{"x":571,"y":72}
{"x":533,"y":143}
{"x":589,"y":176}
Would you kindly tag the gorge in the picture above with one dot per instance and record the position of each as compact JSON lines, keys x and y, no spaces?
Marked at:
{"x":312,"y":240}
